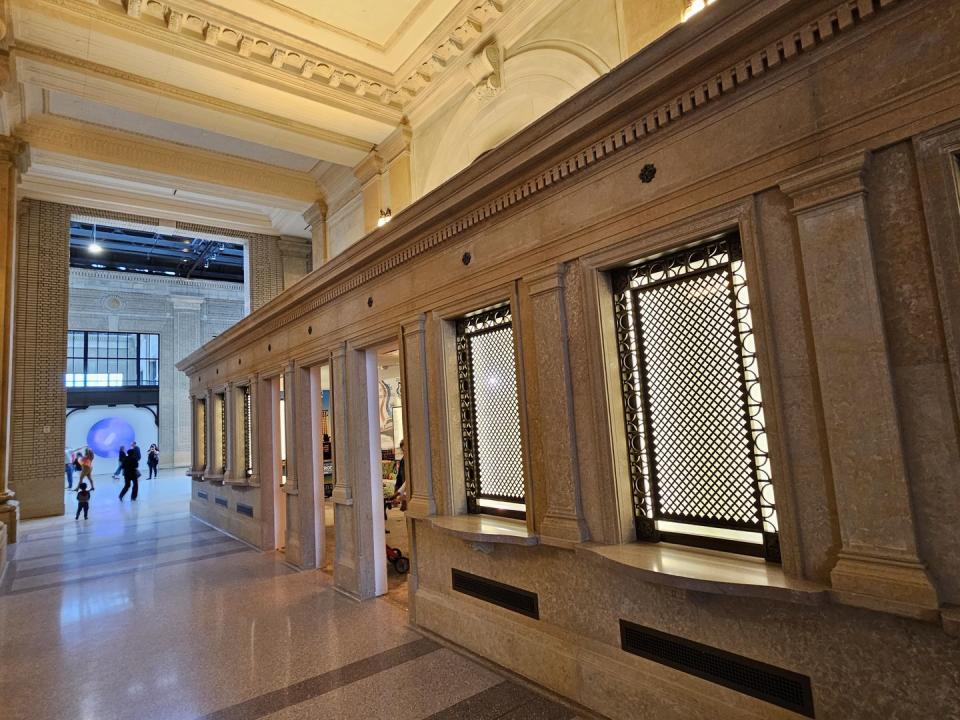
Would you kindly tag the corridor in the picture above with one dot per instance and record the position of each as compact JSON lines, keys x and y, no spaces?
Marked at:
{"x":143,"y":612}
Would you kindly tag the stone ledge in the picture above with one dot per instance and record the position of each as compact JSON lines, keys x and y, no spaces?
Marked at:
{"x":707,"y":571}
{"x":485,"y":529}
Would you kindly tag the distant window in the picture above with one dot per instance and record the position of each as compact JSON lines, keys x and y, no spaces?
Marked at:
{"x":490,"y":414}
{"x":111,"y":359}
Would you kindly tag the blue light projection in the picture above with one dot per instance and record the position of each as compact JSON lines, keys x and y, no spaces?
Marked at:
{"x":107,"y":436}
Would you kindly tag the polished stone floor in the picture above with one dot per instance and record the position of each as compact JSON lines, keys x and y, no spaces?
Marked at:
{"x":143,"y":612}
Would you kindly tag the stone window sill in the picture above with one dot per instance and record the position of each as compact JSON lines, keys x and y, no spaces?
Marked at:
{"x":706,"y":571}
{"x":485,"y":529}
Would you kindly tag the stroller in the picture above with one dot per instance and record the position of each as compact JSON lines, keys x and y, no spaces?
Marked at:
{"x":399,"y":562}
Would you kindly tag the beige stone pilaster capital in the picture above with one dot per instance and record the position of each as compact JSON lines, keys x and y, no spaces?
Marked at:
{"x":316,"y":213}
{"x":294,"y":246}
{"x":545,"y":279}
{"x":396,"y":143}
{"x":368,"y":168}
{"x":827,"y":183}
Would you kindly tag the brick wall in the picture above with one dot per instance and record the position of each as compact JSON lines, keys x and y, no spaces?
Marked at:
{"x":39,"y":358}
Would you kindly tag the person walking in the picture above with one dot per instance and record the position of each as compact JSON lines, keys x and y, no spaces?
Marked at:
{"x":86,"y":467}
{"x":153,"y":460}
{"x":131,"y":475}
{"x":83,"y":501}
{"x":69,"y":458}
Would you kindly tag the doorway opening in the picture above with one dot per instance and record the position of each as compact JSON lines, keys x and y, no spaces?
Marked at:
{"x":278,"y":425}
{"x":322,"y":433}
{"x":389,"y":468}
{"x":140,"y":299}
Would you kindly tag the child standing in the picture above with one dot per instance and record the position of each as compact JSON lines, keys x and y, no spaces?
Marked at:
{"x":83,"y":501}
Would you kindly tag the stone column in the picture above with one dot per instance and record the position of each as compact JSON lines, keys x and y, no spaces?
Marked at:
{"x":369,"y":174}
{"x":316,"y":218}
{"x":395,"y":152}
{"x":878,"y":565}
{"x":187,"y":321}
{"x":345,"y":550}
{"x":294,"y":258}
{"x":11,"y":153}
{"x":230,"y":418}
{"x":307,"y":486}
{"x":212,"y":471}
{"x":416,"y":408}
{"x":294,"y":546}
{"x":563,"y":524}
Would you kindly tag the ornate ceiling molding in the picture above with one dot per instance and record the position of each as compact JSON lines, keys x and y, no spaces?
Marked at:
{"x":265,"y":49}
{"x":175,"y":25}
{"x":115,"y":147}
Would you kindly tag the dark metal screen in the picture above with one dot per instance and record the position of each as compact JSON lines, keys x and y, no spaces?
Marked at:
{"x":201,"y":434}
{"x":690,"y":380}
{"x":247,"y":431}
{"x":222,"y":403}
{"x":490,"y":413}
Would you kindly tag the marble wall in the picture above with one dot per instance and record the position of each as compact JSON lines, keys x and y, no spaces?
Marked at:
{"x":827,"y":136}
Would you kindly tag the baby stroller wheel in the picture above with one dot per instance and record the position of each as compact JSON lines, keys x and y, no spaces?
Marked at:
{"x":402,"y":565}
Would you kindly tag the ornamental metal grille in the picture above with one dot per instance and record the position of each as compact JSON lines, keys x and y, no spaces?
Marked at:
{"x":222,"y":408}
{"x":201,"y":434}
{"x":490,"y":413}
{"x":247,"y":431}
{"x":690,"y":380}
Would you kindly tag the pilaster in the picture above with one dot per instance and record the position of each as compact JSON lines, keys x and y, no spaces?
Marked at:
{"x":14,"y":159}
{"x":563,"y":524}
{"x":417,"y":451}
{"x":878,"y":565}
{"x":316,"y":217}
{"x":295,"y":259}
{"x":369,"y":173}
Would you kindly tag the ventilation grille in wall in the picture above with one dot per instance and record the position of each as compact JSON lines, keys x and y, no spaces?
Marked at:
{"x":202,"y":494}
{"x":505,"y":596}
{"x":220,"y":501}
{"x":245,"y":509}
{"x":772,"y":684}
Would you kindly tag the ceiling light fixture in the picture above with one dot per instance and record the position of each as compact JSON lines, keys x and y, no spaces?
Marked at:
{"x":695,"y":6}
{"x":385,"y":217}
{"x":93,"y":246}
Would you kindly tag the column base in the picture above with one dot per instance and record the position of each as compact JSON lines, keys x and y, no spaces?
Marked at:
{"x":10,"y":516}
{"x":562,"y":531}
{"x":420,"y":507}
{"x":900,"y":587}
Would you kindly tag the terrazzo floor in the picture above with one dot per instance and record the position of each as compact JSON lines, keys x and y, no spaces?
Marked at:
{"x":144,"y":612}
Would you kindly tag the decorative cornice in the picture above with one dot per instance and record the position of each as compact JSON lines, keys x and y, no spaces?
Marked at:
{"x":183,"y":27}
{"x":80,"y":139}
{"x":456,"y":43}
{"x":801,"y":41}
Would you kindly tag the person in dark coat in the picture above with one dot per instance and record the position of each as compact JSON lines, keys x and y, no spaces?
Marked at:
{"x":131,"y":475}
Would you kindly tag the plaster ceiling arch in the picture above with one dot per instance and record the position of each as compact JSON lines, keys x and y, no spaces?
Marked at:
{"x":535,"y":81}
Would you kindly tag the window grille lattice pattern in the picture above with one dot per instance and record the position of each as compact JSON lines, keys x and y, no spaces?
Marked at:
{"x":201,"y":433}
{"x":696,"y":437}
{"x":247,"y":431}
{"x":489,"y":408}
{"x":222,"y":407}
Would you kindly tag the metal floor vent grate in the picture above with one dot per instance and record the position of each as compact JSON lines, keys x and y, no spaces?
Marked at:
{"x":245,"y":509}
{"x":765,"y":682}
{"x":220,"y":501}
{"x":505,"y":596}
{"x":201,"y":494}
